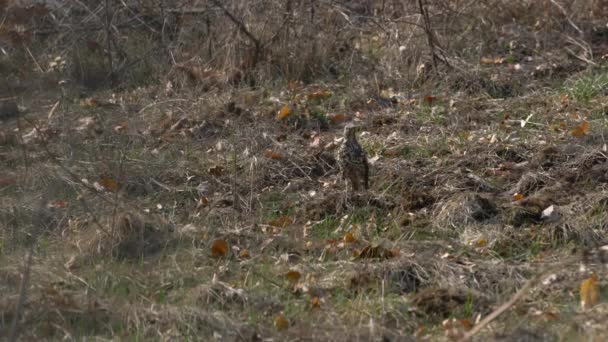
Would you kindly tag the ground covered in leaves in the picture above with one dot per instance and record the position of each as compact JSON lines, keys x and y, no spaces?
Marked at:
{"x":190,"y":214}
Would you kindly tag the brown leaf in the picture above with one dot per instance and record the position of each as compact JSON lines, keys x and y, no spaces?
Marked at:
{"x":121,"y":127}
{"x":376,"y":251}
{"x":315,"y":303}
{"x":57,"y":204}
{"x":581,"y":129}
{"x":270,"y":154}
{"x":281,"y":221}
{"x":293,"y":276}
{"x":517,"y":197}
{"x":319,"y":95}
{"x":280,"y":322}
{"x":108,"y":183}
{"x":90,"y":102}
{"x":217,"y":170}
{"x":244,"y":254}
{"x":219,"y":248}
{"x":589,"y":292}
{"x":428,"y":99}
{"x":337,"y":118}
{"x":284,"y":112}
{"x":349,"y":238}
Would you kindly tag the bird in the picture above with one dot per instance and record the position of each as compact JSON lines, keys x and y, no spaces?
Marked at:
{"x":352,"y":159}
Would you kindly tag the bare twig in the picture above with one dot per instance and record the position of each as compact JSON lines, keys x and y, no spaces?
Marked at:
{"x":517,"y":296}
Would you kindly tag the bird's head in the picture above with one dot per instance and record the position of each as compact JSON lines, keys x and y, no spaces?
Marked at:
{"x":350,"y":131}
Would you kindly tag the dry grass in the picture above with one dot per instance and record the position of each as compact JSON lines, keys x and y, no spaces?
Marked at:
{"x":121,"y":199}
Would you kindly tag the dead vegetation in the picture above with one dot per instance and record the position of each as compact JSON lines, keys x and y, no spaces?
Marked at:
{"x":169,"y":171}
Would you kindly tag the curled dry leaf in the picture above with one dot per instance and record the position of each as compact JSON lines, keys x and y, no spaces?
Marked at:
{"x":270,"y":154}
{"x":283,"y":113}
{"x":108,"y":183}
{"x":315,"y":303}
{"x":219,"y":248}
{"x":319,"y":95}
{"x":589,"y":292}
{"x":428,"y":99}
{"x":244,"y":254}
{"x":217,"y":170}
{"x":280,"y":322}
{"x":89,"y":102}
{"x":121,"y":127}
{"x":376,"y":251}
{"x":349,"y":238}
{"x":337,"y":118}
{"x":517,"y":197}
{"x":293,"y":276}
{"x":580,"y":130}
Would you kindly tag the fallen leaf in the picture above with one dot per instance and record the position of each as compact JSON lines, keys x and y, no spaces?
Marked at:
{"x":244,"y":254}
{"x":293,"y":276}
{"x":589,"y":292}
{"x":315,"y":303}
{"x":108,"y":183}
{"x":428,"y":99}
{"x":57,"y":204}
{"x":281,"y":222}
{"x":217,"y":170}
{"x":219,"y":248}
{"x":376,"y":251}
{"x":349,"y":238}
{"x":121,"y":127}
{"x":581,"y":129}
{"x":517,"y":197}
{"x":319,"y":95}
{"x":280,"y":322}
{"x":273,"y":155}
{"x":337,"y":118}
{"x":284,"y":112}
{"x":89,"y":102}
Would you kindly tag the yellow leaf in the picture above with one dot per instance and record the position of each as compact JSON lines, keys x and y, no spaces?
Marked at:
{"x":280,"y":322}
{"x":283,"y":113}
{"x":349,"y":238}
{"x":315,"y":303}
{"x":517,"y":197}
{"x":219,"y":248}
{"x":581,"y":129}
{"x":481,"y":243}
{"x":108,"y":183}
{"x":589,"y":292}
{"x":319,"y":95}
{"x":293,"y":276}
